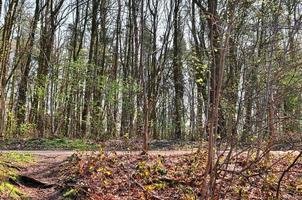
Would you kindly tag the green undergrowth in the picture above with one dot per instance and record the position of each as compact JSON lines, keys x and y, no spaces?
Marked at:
{"x":9,"y":191}
{"x":10,"y":164}
{"x":15,"y":157}
{"x":69,"y":193}
{"x":68,"y":144}
{"x":49,"y":144}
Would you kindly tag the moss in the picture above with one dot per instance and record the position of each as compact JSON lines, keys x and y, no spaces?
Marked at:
{"x":6,"y":173}
{"x":9,"y":162}
{"x":70,"y":193}
{"x":15,"y":157}
{"x":9,"y":191}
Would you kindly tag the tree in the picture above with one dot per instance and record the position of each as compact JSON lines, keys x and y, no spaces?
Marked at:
{"x":22,"y":89}
{"x":4,"y":52}
{"x":177,"y":71}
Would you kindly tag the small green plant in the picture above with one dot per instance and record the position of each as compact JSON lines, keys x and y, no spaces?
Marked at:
{"x":60,"y":143}
{"x":27,"y":129}
{"x":15,"y":157}
{"x":70,"y":193}
{"x":9,"y":191}
{"x":11,"y":124}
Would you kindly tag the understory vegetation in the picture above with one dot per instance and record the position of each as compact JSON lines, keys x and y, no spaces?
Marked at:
{"x":48,"y":144}
{"x":10,"y":164}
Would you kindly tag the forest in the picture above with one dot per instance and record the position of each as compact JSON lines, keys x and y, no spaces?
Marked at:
{"x":151,"y":99}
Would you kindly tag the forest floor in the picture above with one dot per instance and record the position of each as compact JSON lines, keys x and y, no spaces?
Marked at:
{"x":91,"y":145}
{"x":173,"y":174}
{"x":61,"y":168}
{"x":49,"y":174}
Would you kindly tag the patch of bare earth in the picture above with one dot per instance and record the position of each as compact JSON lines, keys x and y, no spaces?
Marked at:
{"x":40,"y":181}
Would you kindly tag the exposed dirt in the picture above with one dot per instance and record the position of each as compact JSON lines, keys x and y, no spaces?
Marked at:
{"x":45,"y":171}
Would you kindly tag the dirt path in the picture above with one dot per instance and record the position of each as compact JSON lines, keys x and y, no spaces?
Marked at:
{"x":44,"y":171}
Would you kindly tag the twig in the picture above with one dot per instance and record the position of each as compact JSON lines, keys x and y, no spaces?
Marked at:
{"x":172,"y":181}
{"x":143,"y":188}
{"x":284,"y":172}
{"x":10,"y":165}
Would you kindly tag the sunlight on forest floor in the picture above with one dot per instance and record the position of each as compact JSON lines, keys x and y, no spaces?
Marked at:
{"x":10,"y":164}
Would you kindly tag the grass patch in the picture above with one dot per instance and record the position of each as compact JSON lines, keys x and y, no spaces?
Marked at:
{"x":9,"y":191}
{"x":49,"y":144}
{"x":9,"y":164}
{"x":68,"y":144}
{"x":14,"y":157}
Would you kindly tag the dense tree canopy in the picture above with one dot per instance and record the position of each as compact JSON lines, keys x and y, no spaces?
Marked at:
{"x":184,"y":69}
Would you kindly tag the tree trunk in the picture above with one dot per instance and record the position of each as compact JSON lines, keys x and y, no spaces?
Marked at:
{"x":177,"y":72}
{"x":22,"y":91}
